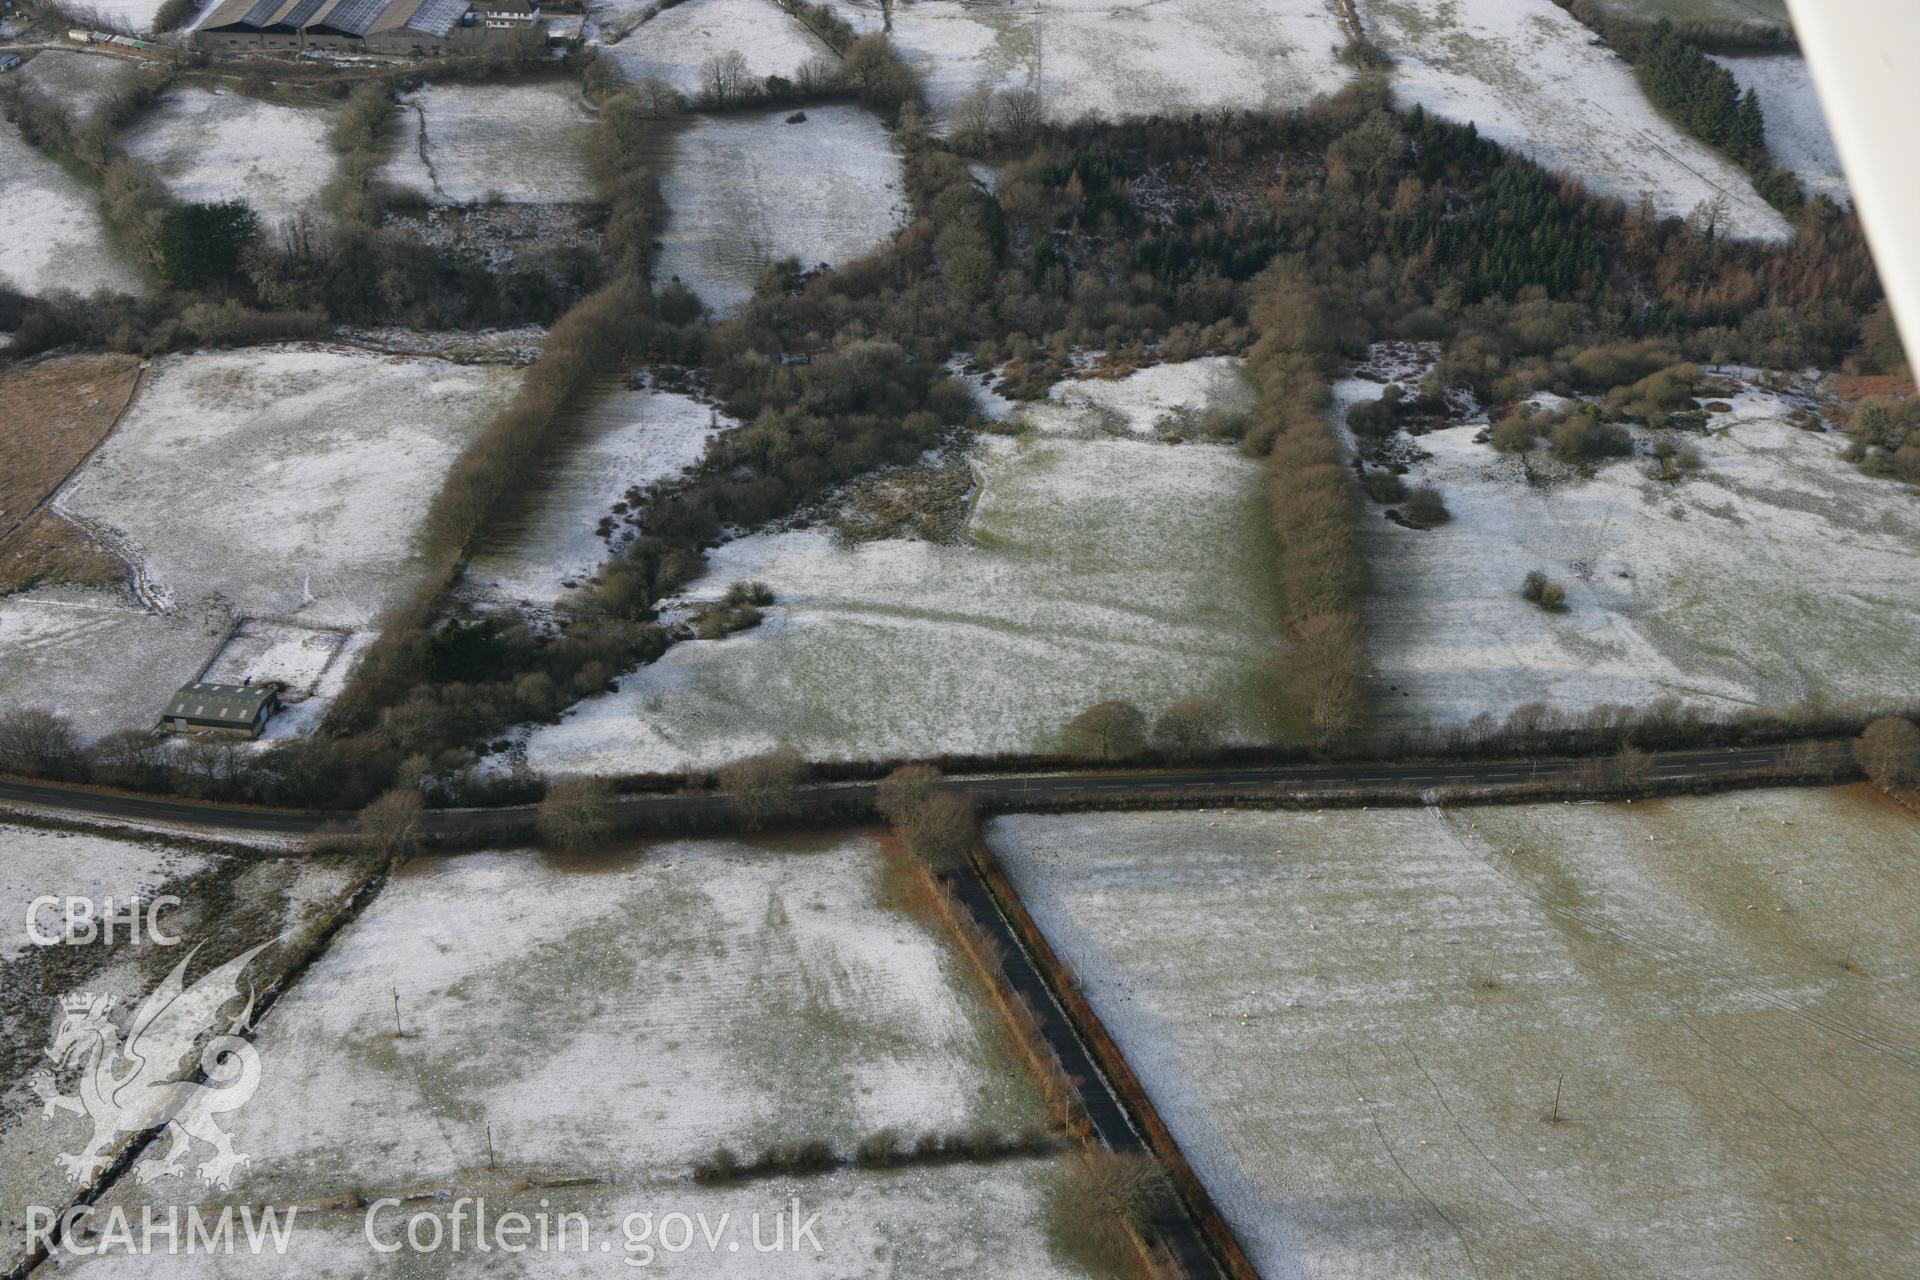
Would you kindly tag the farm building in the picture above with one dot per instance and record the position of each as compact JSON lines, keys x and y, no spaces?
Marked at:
{"x":225,"y":708}
{"x":353,"y":26}
{"x":508,"y":15}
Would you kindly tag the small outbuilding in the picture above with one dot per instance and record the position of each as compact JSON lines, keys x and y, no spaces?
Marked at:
{"x":220,"y":708}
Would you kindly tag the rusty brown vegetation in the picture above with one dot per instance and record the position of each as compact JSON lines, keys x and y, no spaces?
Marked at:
{"x":53,"y":413}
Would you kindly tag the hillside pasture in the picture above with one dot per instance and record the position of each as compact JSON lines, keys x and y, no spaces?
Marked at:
{"x":1672,"y":1037}
{"x":481,"y":143}
{"x":582,"y":1031}
{"x":747,"y":189}
{"x":56,"y":237}
{"x":214,"y":144}
{"x":1529,"y":76}
{"x":1093,"y":550}
{"x":269,"y":483}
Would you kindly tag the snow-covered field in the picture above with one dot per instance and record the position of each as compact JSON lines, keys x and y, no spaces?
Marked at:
{"x":55,"y":237}
{"x":228,"y":905}
{"x":625,"y":438}
{"x":743,"y":190}
{"x":1531,"y":77}
{"x":672,"y":46}
{"x":65,"y":864}
{"x":461,"y":143}
{"x":1797,"y":133}
{"x":944,"y":1222}
{"x":1119,"y":59}
{"x":279,"y":483}
{"x":1099,"y":562}
{"x":1744,"y":12}
{"x":136,"y":16}
{"x":1776,"y":572}
{"x":81,"y":82}
{"x":219,"y":145}
{"x":621,"y":1017}
{"x":1355,"y":1024}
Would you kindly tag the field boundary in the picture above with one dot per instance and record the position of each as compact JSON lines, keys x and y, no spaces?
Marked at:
{"x":1114,"y":1073}
{"x":290,"y":974}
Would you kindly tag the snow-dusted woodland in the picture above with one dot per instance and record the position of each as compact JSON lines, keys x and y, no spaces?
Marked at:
{"x":1118,"y":60}
{"x":214,"y":144}
{"x":271,"y":483}
{"x":623,"y":1016}
{"x":1529,"y":76}
{"x":624,"y":438}
{"x":743,"y":190}
{"x":1093,"y":550}
{"x":464,"y":143}
{"x":80,"y":81}
{"x":1797,"y":133}
{"x":1773,"y":573}
{"x":1354,"y":1023}
{"x":54,"y":235}
{"x":673,"y":46}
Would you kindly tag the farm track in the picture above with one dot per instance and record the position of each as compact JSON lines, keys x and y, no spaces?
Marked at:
{"x":999,"y":793}
{"x":1112,"y":1124}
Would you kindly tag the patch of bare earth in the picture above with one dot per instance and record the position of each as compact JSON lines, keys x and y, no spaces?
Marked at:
{"x":53,"y":413}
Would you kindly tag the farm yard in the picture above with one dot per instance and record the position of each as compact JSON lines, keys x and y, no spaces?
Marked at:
{"x":56,"y":239}
{"x":212,"y":145}
{"x":1356,"y":1024}
{"x":625,"y":437}
{"x":1092,"y":548}
{"x":673,"y":46}
{"x":318,"y":457}
{"x":472,"y":143}
{"x":745,"y":190}
{"x":1528,"y":75}
{"x":1797,"y":133}
{"x":1774,"y":573}
{"x":603,"y":1024}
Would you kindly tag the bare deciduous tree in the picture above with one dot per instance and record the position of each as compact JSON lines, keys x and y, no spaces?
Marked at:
{"x":1889,"y":752}
{"x":763,"y":787}
{"x":1190,"y":726}
{"x":943,"y":831}
{"x":901,"y":793}
{"x":577,"y":813}
{"x":1018,"y":114}
{"x":1108,"y":729}
{"x":37,"y":740}
{"x":391,"y":823}
{"x":725,"y":80}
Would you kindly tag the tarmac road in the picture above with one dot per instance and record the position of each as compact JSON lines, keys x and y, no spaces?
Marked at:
{"x":994,"y":791}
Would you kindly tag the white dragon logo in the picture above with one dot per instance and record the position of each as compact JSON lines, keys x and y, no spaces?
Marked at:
{"x":127,"y":1088}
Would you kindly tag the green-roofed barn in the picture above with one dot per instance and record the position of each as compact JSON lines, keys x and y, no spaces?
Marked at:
{"x":222,"y":708}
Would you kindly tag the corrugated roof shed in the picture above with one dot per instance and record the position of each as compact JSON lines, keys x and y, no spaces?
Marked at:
{"x":236,"y":704}
{"x":349,"y":17}
{"x":426,"y":17}
{"x":251,"y":14}
{"x":293,"y":14}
